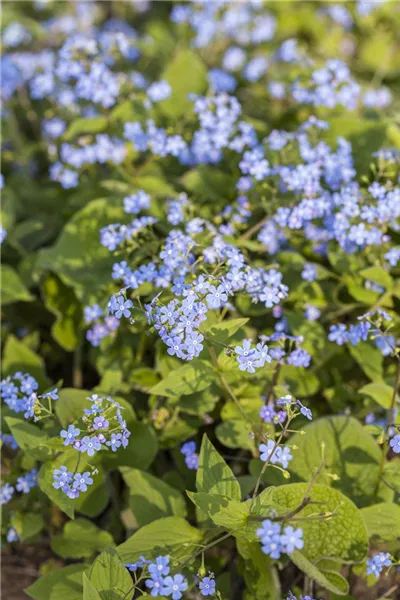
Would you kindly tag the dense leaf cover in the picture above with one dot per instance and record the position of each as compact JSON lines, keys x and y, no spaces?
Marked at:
{"x":200,"y":298}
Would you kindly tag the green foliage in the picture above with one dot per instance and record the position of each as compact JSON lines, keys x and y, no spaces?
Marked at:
{"x":109,"y":577}
{"x":349,"y":453}
{"x":80,"y":539}
{"x":12,"y":287}
{"x":62,"y":584}
{"x":213,"y":475}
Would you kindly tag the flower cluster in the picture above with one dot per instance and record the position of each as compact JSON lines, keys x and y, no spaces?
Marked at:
{"x":376,"y":564}
{"x":191,"y":457}
{"x":19,"y":393}
{"x":159,"y":582}
{"x":24,"y":484}
{"x":105,"y":428}
{"x":276,"y":539}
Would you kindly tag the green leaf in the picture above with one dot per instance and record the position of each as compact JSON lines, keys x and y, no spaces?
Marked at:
{"x":12,"y":287}
{"x":235,"y":433}
{"x":382,"y":521}
{"x":262,"y":580}
{"x":329,"y":580}
{"x":214,"y":476}
{"x":209,"y":184}
{"x":110,"y":578}
{"x":45,"y":481}
{"x":80,"y":539}
{"x":84,"y":126}
{"x":28,"y":436}
{"x":224,"y":512}
{"x":370,"y":360}
{"x":141,"y":451}
{"x":62,"y":584}
{"x":89,"y":591}
{"x":343,"y":536}
{"x":77,"y":257}
{"x":223,"y":331}
{"x":378,"y":275}
{"x":62,"y":302}
{"x":193,"y":377}
{"x":186,"y":75}
{"x":301,"y":382}
{"x":151,"y":498}
{"x":170,"y":535}
{"x":27,"y":525}
{"x":18,"y":357}
{"x":349,"y":452}
{"x":380,"y":392}
{"x":391,"y":475}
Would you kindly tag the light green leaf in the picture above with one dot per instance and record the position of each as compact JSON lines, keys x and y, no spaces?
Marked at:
{"x":18,"y":357}
{"x":370,"y":360}
{"x":221,"y":332}
{"x":89,"y":591}
{"x":141,"y":451}
{"x":171,"y":535}
{"x":192,"y":377}
{"x":186,"y":75}
{"x":214,"y":476}
{"x":328,"y":580}
{"x":378,"y":275}
{"x":343,"y":536}
{"x":45,"y":481}
{"x":224,"y":512}
{"x":349,"y":453}
{"x":12,"y":287}
{"x":151,"y":498}
{"x":110,"y":578}
{"x":80,"y":539}
{"x":62,"y":584}
{"x":28,"y":436}
{"x":85,"y":126}
{"x":380,"y":392}
{"x":382,"y":521}
{"x":77,"y":257}
{"x":235,"y":433}
{"x":27,"y":525}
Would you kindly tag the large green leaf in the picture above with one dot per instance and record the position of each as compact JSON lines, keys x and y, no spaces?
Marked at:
{"x":349,"y":452}
{"x":343,"y":536}
{"x":214,"y":476}
{"x":170,"y":535}
{"x":382,"y":521}
{"x":380,"y":392}
{"x":370,"y":360}
{"x":188,"y":379}
{"x":89,"y":591}
{"x":151,"y":498}
{"x":186,"y":75}
{"x":330,"y":580}
{"x":224,"y":512}
{"x":110,"y":578}
{"x":12,"y":287}
{"x":78,"y":258}
{"x":27,"y":435}
{"x":62,"y":584}
{"x":18,"y":357}
{"x":26,"y":524}
{"x":80,"y":539}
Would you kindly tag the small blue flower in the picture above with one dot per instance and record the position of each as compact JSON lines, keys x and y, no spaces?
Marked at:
{"x":155,"y":584}
{"x":174,"y":586}
{"x":188,"y":448}
{"x":100,"y":423}
{"x":123,"y":307}
{"x":90,"y":445}
{"x":292,"y":539}
{"x":160,"y":566}
{"x":377,"y":562}
{"x":115,"y":441}
{"x":395,"y":444}
{"x":81,"y":481}
{"x":70,"y":434}
{"x":207,"y":586}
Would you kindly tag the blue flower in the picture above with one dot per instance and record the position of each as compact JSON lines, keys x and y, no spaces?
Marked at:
{"x":53,"y":394}
{"x":173,"y":586}
{"x":70,"y":434}
{"x":155,"y":584}
{"x":207,"y":586}
{"x":89,"y":445}
{"x":100,"y":423}
{"x":188,"y":448}
{"x":395,"y":444}
{"x":160,"y":566}
{"x":115,"y":441}
{"x":6,"y":493}
{"x":81,"y":481}
{"x":306,"y":412}
{"x":123,"y":307}
{"x":292,"y":539}
{"x":216,"y":296}
{"x":377,"y":562}
{"x":192,"y":462}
